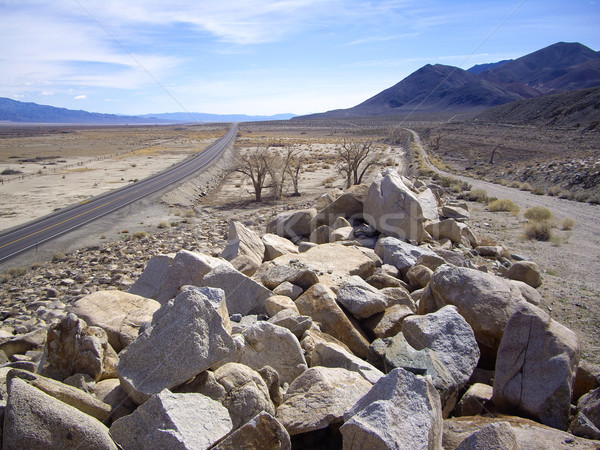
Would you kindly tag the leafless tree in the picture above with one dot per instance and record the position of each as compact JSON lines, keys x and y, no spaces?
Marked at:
{"x":254,"y":164}
{"x":294,"y":169}
{"x":356,"y":156}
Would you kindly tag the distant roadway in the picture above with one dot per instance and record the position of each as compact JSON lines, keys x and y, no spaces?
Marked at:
{"x":32,"y":234}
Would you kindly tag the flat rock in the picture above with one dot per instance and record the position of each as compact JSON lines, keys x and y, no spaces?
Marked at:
{"x":536,"y":366}
{"x":333,"y":355}
{"x":34,"y":419}
{"x":120,"y":314}
{"x":173,"y":421}
{"x":186,"y":336}
{"x":402,"y":410}
{"x":320,"y":397}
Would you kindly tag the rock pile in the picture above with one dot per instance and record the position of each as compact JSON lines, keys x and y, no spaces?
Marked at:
{"x":376,"y":321}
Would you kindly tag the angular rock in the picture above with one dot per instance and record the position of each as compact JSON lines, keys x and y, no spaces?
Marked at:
{"x":242,"y":241}
{"x":276,"y":246}
{"x":173,"y":421}
{"x":275,"y":346}
{"x":263,"y":432}
{"x":243,"y":294}
{"x":319,"y":302}
{"x":277,"y":303}
{"x":295,"y":272}
{"x":185,"y":337}
{"x":360,"y":298}
{"x":246,"y":393}
{"x":22,"y":343}
{"x":34,"y":419}
{"x":402,"y":410}
{"x":320,"y":397}
{"x":332,"y":355}
{"x":292,"y":224}
{"x":393,"y":209}
{"x":399,"y":254}
{"x":450,"y":336}
{"x":271,"y":378}
{"x":120,"y":314}
{"x":109,"y":391}
{"x":341,"y":234}
{"x":347,"y":205}
{"x":536,"y":365}
{"x":154,"y":277}
{"x":419,"y":276}
{"x":589,"y":405}
{"x":389,"y":322}
{"x":586,"y":379}
{"x":485,"y":301}
{"x":429,"y":204}
{"x":73,"y":347}
{"x":293,"y":321}
{"x":68,"y":394}
{"x":525,"y":271}
{"x":321,"y":234}
{"x":446,"y":229}
{"x":399,"y":296}
{"x":498,"y":435}
{"x":475,"y":401}
{"x":314,"y":336}
{"x":455,"y":212}
{"x":289,"y":290}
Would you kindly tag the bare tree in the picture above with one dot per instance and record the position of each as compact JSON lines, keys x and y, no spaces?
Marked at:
{"x":356,"y":157}
{"x":254,"y":164}
{"x":294,"y":169}
{"x":435,"y":141}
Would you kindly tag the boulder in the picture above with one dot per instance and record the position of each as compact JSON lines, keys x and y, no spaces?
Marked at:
{"x":34,"y":419}
{"x":399,"y":296}
{"x":525,"y":271}
{"x":490,"y":251}
{"x":536,"y":365}
{"x":419,"y":276}
{"x":277,"y":303}
{"x":449,"y":336}
{"x":455,"y":212}
{"x":399,"y":254}
{"x":475,"y":401}
{"x":262,"y":432}
{"x":587,"y":379}
{"x":319,"y":302}
{"x":120,"y":314}
{"x":246,"y":393}
{"x":292,"y":224}
{"x":389,"y":322}
{"x":530,"y":435}
{"x":587,"y":421}
{"x":289,"y":290}
{"x":320,"y":397}
{"x":73,"y":347}
{"x":429,"y":204}
{"x":243,"y":294}
{"x":346,"y":205}
{"x":486,"y":301}
{"x":332,"y":263}
{"x":446,"y":229}
{"x":242,"y":241}
{"x":333,"y":355}
{"x":22,"y":343}
{"x":360,"y":298}
{"x":321,"y":234}
{"x":153,"y":278}
{"x":293,"y":321}
{"x":341,"y":234}
{"x":188,"y":268}
{"x":70,"y":395}
{"x":402,"y":410}
{"x":173,"y":421}
{"x":276,"y":246}
{"x":109,"y":391}
{"x":295,"y":272}
{"x":185,"y":337}
{"x":275,"y":346}
{"x":314,"y":336}
{"x":271,"y":378}
{"x":497,"y":435}
{"x":393,"y":209}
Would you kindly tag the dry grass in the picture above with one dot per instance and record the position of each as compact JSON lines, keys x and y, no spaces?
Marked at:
{"x":503,"y":204}
{"x":538,"y":214}
{"x":539,"y":231}
{"x":567,"y":224}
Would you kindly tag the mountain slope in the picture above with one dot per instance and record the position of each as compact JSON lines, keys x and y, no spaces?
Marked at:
{"x":576,"y":109}
{"x":559,"y":67}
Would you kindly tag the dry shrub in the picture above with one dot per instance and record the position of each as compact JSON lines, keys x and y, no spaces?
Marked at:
{"x":503,"y":204}
{"x":567,"y":224}
{"x":538,"y":191}
{"x":538,"y":214}
{"x":525,"y":187}
{"x":540,"y":231}
{"x":487,"y":240}
{"x":478,"y":195}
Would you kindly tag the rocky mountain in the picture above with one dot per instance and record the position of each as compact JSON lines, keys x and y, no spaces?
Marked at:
{"x":577,"y":109}
{"x":560,"y":67}
{"x":478,"y":68}
{"x":15,"y":111}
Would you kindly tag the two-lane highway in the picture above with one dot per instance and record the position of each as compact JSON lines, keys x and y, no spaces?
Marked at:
{"x":32,"y":234}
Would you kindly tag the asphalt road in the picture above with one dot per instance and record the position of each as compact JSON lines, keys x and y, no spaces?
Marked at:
{"x":32,"y":234}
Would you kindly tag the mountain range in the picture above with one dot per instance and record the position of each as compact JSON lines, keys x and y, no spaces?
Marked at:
{"x":561,"y":67}
{"x":15,"y":111}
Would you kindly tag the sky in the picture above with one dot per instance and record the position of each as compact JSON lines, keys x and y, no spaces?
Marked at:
{"x":260,"y":57}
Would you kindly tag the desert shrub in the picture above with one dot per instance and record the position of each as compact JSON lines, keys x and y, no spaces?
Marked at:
{"x":190,"y":213}
{"x":538,"y":214}
{"x":504,"y":182}
{"x":140,"y":234}
{"x":503,"y":204}
{"x":567,"y":224}
{"x":594,"y":199}
{"x":478,"y":195}
{"x":328,"y":181}
{"x":525,"y":187}
{"x":164,"y":224}
{"x":540,"y":231}
{"x":59,"y":256}
{"x":565,"y":194}
{"x":10,"y":172}
{"x":487,"y":240}
{"x":538,"y":191}
{"x":554,"y":191}
{"x":5,"y":278}
{"x":17,"y":271}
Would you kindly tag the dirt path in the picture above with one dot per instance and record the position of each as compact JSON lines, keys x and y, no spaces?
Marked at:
{"x":571,"y":262}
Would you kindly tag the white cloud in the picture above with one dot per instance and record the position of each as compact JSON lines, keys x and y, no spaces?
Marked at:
{"x":80,"y":97}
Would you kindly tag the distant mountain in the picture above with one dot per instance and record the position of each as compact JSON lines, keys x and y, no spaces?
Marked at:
{"x":478,"y":68}
{"x":437,"y":88}
{"x":205,"y":117}
{"x":575,"y":109}
{"x":15,"y":111}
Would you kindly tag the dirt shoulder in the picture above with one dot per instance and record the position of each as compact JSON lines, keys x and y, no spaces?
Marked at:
{"x":571,"y":262}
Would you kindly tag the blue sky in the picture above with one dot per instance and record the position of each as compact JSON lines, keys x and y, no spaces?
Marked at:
{"x":265,"y":57}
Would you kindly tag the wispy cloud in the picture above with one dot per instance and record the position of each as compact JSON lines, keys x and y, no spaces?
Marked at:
{"x":371,"y":39}
{"x":80,"y":97}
